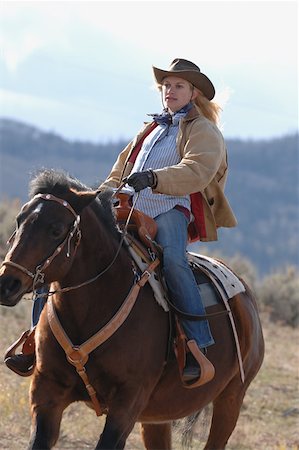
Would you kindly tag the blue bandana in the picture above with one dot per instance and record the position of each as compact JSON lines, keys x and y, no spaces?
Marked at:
{"x":166,"y":117}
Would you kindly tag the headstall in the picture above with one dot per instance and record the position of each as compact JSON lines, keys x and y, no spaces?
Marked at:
{"x":38,"y":276}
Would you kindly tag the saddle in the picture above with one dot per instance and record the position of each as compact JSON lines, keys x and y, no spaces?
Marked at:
{"x":141,"y":224}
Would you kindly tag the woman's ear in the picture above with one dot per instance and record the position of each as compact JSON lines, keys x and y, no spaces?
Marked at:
{"x":195,"y":93}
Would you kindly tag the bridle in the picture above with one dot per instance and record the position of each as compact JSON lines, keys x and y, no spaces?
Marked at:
{"x":38,"y":275}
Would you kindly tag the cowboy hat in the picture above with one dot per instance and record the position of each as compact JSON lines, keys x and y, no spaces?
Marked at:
{"x":188,"y":71}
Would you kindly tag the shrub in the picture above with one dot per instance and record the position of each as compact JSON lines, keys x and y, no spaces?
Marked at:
{"x":245,"y":269}
{"x":280,"y":293}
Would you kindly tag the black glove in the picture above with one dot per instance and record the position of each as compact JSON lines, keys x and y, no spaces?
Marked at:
{"x":142,"y":180}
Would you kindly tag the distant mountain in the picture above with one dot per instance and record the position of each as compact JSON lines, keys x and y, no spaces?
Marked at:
{"x":262,"y":187}
{"x":25,"y":149}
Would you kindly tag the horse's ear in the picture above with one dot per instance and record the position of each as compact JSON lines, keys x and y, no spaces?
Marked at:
{"x":83,"y":199}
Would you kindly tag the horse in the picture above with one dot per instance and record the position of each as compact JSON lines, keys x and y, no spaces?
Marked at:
{"x":133,"y":378}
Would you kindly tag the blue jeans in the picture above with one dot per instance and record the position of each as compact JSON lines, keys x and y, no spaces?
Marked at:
{"x":38,"y":304}
{"x":172,"y":235}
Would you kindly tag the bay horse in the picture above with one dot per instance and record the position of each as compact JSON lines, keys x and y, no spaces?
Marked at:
{"x":132,"y":378}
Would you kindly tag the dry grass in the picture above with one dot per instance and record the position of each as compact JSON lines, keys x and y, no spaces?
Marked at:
{"x":269,"y":419}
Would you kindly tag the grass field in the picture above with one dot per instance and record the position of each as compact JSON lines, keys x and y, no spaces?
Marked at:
{"x":269,"y":418}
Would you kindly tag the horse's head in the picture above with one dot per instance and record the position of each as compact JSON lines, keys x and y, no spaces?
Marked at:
{"x":48,"y":229}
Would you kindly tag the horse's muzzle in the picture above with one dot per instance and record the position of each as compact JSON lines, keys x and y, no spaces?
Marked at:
{"x":11,"y":290}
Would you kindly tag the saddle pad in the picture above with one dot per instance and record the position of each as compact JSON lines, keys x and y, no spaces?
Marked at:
{"x":208,"y":294}
{"x":224,"y":277}
{"x":153,"y":279}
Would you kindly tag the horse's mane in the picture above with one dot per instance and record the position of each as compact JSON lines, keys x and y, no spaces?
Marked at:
{"x":56,"y":182}
{"x":59,"y":183}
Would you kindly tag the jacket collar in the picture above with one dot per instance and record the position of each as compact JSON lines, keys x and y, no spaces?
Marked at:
{"x":192,"y":114}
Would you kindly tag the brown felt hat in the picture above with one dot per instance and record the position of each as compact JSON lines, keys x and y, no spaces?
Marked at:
{"x":188,"y":71}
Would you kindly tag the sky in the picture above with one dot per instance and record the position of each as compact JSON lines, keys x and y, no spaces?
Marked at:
{"x":84,"y":69}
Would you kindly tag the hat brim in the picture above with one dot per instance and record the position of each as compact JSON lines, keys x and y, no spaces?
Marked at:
{"x":198,"y":79}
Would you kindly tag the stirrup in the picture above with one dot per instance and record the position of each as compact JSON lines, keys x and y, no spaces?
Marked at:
{"x":28,"y":348}
{"x":207,"y":370}
{"x":183,"y":346}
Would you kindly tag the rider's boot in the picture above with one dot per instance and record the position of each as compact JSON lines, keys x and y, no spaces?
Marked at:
{"x":22,"y":363}
{"x":191,"y":370}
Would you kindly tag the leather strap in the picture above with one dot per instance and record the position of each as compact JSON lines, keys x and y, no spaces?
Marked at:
{"x":222,"y":294}
{"x":78,"y":355}
{"x":136,"y":149}
{"x":57,"y":200}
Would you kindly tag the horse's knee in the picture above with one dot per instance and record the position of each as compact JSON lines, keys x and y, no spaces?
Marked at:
{"x":111,"y":438}
{"x":45,"y":426}
{"x":47,"y":406}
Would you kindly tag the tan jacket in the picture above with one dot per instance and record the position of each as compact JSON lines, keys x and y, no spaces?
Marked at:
{"x":203,"y":168}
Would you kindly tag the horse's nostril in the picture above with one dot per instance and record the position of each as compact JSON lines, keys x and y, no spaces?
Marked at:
{"x":9,"y":286}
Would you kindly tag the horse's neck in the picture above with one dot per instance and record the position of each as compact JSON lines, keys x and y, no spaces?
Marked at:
{"x":101,"y":298}
{"x":99,"y":248}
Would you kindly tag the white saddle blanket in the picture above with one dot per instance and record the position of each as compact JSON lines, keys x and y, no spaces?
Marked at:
{"x":222,"y":277}
{"x":230,"y":283}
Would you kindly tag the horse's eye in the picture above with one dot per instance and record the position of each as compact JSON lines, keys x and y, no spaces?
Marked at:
{"x":57,"y":230}
{"x":18,"y":220}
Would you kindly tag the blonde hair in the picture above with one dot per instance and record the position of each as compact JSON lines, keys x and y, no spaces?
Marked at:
{"x":208,"y":109}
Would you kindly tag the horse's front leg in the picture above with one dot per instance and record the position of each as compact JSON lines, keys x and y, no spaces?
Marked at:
{"x":114,"y":436}
{"x":48,"y":401}
{"x":45,"y":427}
{"x":124,"y":411}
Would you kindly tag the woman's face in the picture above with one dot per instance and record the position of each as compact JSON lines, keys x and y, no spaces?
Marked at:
{"x":176,"y":93}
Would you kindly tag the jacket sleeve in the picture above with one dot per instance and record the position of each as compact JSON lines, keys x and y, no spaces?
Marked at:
{"x":202,"y":155}
{"x":114,"y":177}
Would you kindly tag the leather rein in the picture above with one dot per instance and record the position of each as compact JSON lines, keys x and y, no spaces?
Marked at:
{"x":78,"y":355}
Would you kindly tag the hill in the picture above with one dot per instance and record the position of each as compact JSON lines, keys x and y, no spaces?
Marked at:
{"x":262,"y":186}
